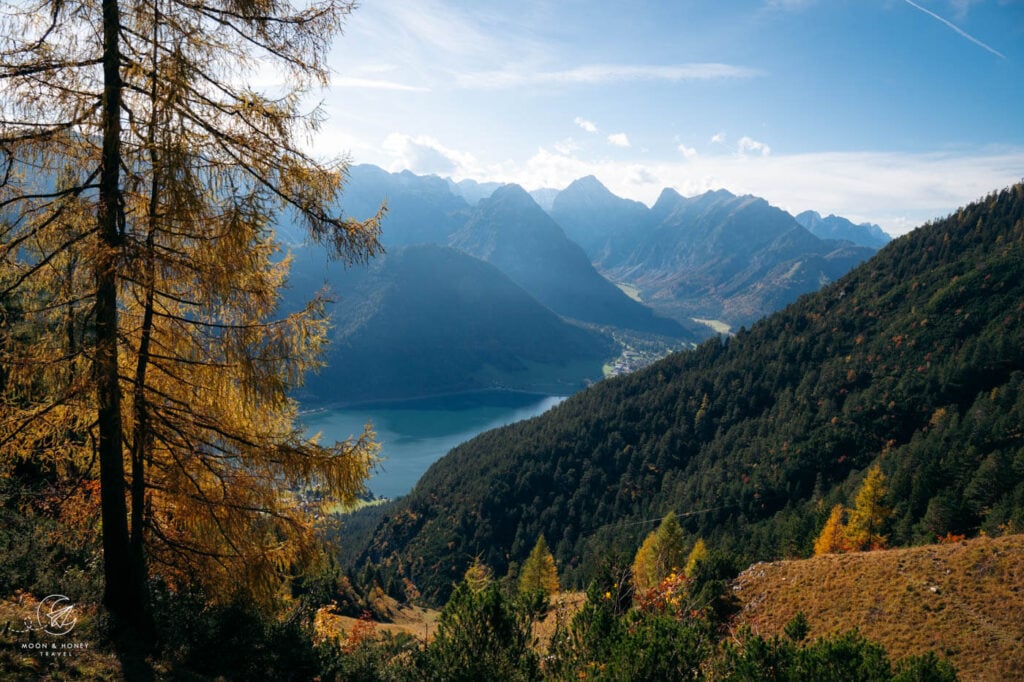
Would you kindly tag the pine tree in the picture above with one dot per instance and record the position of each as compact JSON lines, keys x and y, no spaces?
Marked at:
{"x":539,"y":573}
{"x":139,"y":184}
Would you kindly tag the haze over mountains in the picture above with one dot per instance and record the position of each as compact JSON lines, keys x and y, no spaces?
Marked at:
{"x":426,"y":320}
{"x":715,"y":257}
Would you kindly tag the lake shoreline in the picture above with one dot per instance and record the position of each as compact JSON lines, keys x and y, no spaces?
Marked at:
{"x":419,"y":401}
{"x":413,"y":434}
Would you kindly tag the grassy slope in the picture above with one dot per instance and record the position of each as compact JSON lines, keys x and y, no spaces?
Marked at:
{"x":965,"y":601}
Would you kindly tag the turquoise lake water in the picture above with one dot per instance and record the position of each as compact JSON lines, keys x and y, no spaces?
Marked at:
{"x":415,"y":434}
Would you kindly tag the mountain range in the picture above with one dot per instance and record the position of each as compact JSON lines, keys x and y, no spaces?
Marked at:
{"x":715,"y":257}
{"x":913,"y":361}
{"x":837,"y":227}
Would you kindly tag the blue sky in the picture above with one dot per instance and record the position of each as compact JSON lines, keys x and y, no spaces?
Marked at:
{"x":888,"y":111}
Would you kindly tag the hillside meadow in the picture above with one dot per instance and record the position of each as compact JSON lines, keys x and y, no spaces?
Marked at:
{"x":963,"y":600}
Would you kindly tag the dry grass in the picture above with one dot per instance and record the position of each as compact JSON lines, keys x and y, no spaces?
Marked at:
{"x":965,"y":601}
{"x":410,"y":620}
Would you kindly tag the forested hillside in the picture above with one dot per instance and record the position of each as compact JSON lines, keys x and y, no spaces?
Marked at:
{"x":913,"y":360}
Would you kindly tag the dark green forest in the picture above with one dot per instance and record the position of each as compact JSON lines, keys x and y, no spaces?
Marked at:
{"x":914,"y":360}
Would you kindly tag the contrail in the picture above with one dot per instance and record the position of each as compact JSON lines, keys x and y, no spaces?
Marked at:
{"x":956,"y":28}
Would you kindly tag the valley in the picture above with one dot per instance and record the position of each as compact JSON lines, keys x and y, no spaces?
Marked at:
{"x":481,"y":288}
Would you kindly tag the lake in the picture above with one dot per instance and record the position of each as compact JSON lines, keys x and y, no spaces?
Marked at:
{"x":414,"y":434}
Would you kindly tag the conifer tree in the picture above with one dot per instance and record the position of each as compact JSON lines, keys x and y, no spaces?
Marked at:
{"x":539,"y":573}
{"x":660,"y":554}
{"x":697,"y":554}
{"x":139,"y":181}
{"x":832,"y":538}
{"x":868,"y":517}
{"x":478,"y":576}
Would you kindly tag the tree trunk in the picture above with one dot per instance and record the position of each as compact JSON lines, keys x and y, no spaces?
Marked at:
{"x":124,"y":588}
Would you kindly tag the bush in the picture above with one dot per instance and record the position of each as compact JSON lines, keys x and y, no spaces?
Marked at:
{"x":479,"y":634}
{"x":234,"y":641}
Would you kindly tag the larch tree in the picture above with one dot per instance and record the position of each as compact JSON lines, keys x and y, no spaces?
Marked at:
{"x":832,"y":537}
{"x":869,"y":514}
{"x":697,"y":554}
{"x":140,"y":178}
{"x":478,"y":575}
{"x":660,"y":554}
{"x":539,"y":573}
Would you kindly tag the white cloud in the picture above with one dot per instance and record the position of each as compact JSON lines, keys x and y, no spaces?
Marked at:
{"x":687,"y":152}
{"x":898,"y":191}
{"x":619,"y":140}
{"x":747,"y":144}
{"x":597,"y":74}
{"x":588,"y":126}
{"x":426,"y":155}
{"x":717,"y":138}
{"x":566,"y":146}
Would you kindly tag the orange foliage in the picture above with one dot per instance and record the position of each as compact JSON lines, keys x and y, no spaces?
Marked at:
{"x":833,"y":536}
{"x":951,"y":539}
{"x":364,"y":629}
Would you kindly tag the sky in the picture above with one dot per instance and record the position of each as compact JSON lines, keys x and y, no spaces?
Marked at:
{"x":893,"y":112}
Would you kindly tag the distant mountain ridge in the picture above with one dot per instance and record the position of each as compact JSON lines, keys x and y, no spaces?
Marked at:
{"x":836,"y":227}
{"x":511,"y":231}
{"x":713,"y":256}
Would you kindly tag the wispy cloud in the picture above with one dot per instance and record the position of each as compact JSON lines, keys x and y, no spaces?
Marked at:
{"x":436,"y":24}
{"x":748,"y":144}
{"x":789,"y":4}
{"x":588,"y":126}
{"x":374,"y":84}
{"x":597,"y":74}
{"x":687,"y":152}
{"x":956,"y":28}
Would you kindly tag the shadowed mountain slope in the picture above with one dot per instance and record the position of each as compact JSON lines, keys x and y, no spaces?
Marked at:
{"x":511,"y":231}
{"x":426,"y":320}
